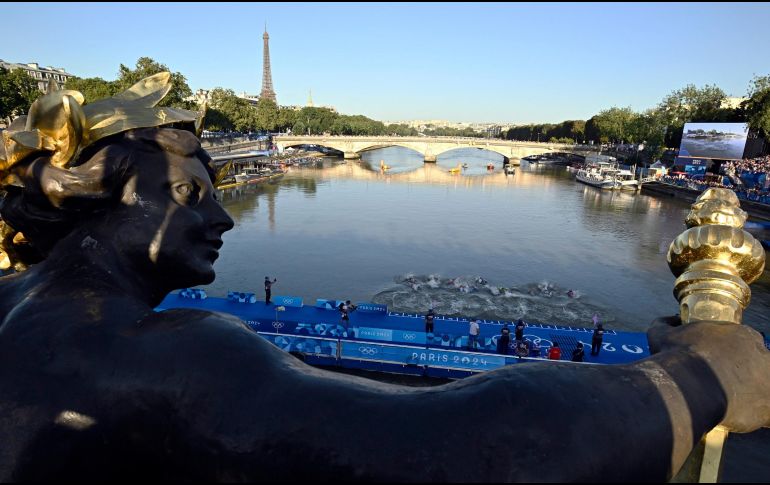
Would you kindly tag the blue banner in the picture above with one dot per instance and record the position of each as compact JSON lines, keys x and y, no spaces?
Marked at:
{"x":327,"y":304}
{"x":446,"y":359}
{"x":384,"y":334}
{"x":241,"y":297}
{"x":390,"y":335}
{"x":313,"y":346}
{"x":193,"y":293}
{"x":458,"y":360}
{"x":372,"y":308}
{"x":292,"y":301}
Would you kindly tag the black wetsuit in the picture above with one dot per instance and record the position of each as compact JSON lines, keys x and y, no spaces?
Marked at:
{"x":596,"y":341}
{"x":577,"y":354}
{"x":429,"y":323}
{"x":520,"y":331}
{"x":504,"y":341}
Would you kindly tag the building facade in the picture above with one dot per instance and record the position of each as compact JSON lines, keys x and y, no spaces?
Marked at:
{"x":40,"y":74}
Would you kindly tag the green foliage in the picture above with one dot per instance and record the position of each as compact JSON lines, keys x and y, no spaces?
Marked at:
{"x":17,"y":92}
{"x":462,"y":132}
{"x":400,"y":130}
{"x":286,"y":118}
{"x":690,"y":104}
{"x":591,"y":130}
{"x":615,"y":123}
{"x":266,"y":115}
{"x":93,"y":88}
{"x":229,"y":112}
{"x":147,"y":67}
{"x":568,"y":131}
{"x":757,"y":107}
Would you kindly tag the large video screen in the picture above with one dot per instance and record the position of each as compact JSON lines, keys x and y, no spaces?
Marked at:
{"x":714,"y":140}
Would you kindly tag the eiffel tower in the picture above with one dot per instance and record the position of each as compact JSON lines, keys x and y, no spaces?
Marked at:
{"x":267,"y":78}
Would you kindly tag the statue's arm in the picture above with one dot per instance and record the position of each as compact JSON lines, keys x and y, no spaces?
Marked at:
{"x":276,"y":417}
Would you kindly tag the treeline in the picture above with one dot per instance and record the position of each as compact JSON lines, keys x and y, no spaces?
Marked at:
{"x":225,"y":111}
{"x":229,"y":112}
{"x":464,"y":132}
{"x":657,"y":128}
{"x":662,"y":125}
{"x":565,"y":132}
{"x":18,"y":90}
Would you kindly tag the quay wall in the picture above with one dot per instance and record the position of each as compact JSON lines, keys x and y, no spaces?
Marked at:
{"x":754,"y":209}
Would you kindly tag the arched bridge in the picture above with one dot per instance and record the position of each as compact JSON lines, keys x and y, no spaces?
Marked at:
{"x":429,"y":147}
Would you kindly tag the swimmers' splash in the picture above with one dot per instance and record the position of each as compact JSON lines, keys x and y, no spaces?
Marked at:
{"x":475,"y":296}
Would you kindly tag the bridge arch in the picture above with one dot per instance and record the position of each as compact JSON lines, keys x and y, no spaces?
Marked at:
{"x":506,"y":158}
{"x":429,"y":147}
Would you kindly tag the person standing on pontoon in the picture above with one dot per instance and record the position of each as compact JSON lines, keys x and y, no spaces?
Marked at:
{"x":429,"y":317}
{"x":268,"y":289}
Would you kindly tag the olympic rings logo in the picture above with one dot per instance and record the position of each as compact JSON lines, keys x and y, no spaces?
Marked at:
{"x":367,"y":350}
{"x":278,"y":325}
{"x":409,"y":336}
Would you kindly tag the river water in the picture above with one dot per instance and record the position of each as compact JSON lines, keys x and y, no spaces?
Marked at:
{"x":474,"y":243}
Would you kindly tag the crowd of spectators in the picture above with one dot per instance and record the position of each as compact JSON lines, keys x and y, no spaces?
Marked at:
{"x":749,"y":178}
{"x":759,"y":165}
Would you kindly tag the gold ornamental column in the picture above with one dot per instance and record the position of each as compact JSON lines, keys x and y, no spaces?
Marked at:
{"x":714,"y":261}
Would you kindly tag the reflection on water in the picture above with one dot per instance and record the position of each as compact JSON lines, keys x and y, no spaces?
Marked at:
{"x":715,"y":147}
{"x":350,"y":230}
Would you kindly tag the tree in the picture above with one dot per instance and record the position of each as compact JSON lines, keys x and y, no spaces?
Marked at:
{"x":267,"y":115}
{"x":93,"y":88}
{"x":317,"y":120}
{"x":614,"y":123}
{"x":229,"y":112}
{"x":286,"y":118}
{"x":691,"y":104}
{"x":299,"y":127}
{"x":17,"y":92}
{"x":757,"y":107}
{"x":147,"y":67}
{"x":577,"y":130}
{"x":400,"y":130}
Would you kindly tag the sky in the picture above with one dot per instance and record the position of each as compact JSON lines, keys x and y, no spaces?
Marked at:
{"x":480,"y":62}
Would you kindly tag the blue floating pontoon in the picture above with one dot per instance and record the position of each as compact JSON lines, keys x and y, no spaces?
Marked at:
{"x":376,"y":339}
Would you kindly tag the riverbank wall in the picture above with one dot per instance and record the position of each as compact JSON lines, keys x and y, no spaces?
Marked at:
{"x":754,"y":209}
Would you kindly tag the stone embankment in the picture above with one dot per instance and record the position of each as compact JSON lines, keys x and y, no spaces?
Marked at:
{"x":754,"y":209}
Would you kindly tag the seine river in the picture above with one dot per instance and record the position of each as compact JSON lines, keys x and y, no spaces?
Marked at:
{"x":474,"y":243}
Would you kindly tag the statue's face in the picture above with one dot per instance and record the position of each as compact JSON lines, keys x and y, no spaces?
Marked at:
{"x":172,"y":224}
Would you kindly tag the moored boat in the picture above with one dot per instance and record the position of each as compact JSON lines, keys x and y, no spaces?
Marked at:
{"x":601,"y":176}
{"x":248,"y":175}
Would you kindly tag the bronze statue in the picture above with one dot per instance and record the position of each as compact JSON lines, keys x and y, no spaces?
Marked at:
{"x":95,"y":385}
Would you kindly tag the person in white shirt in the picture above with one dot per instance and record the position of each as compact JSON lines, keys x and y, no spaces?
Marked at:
{"x":473,"y":334}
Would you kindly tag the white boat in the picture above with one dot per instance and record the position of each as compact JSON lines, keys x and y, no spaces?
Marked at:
{"x":549,"y":159}
{"x":248,"y":175}
{"x":601,"y":175}
{"x":627,"y":180}
{"x":607,"y":175}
